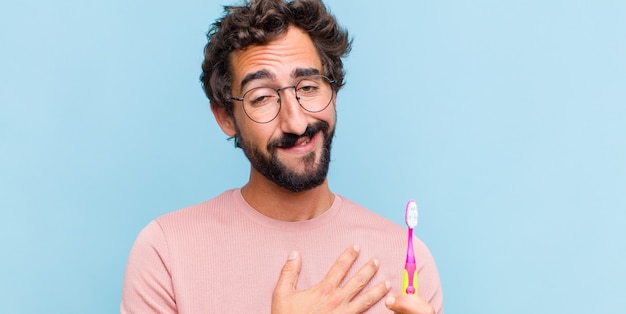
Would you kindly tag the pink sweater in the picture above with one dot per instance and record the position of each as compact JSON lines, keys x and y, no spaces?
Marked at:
{"x":222,"y":256}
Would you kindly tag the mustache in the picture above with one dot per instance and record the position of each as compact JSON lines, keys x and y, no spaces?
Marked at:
{"x":289,"y":140}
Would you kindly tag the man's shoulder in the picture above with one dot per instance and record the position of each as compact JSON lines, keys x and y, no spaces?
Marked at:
{"x":365,"y":216}
{"x":199,"y":212}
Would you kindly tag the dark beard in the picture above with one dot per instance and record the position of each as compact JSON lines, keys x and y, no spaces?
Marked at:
{"x":275,"y":171}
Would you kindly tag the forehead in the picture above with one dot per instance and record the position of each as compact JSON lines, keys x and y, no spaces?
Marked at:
{"x":281,"y":59}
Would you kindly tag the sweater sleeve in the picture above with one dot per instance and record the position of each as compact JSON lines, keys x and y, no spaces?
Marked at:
{"x":147,"y":282}
{"x":429,"y":275}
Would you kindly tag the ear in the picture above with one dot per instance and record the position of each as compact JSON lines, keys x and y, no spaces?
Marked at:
{"x":224,"y":119}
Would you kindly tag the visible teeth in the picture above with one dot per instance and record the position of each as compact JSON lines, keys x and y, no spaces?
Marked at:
{"x":305,"y":142}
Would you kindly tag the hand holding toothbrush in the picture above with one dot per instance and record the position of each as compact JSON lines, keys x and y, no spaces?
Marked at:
{"x":409,"y":302}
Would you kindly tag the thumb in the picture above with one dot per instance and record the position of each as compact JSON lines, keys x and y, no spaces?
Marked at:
{"x":289,"y":275}
{"x":408,"y":303}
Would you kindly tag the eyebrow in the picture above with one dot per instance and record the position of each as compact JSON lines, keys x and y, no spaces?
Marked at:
{"x":300,"y":72}
{"x":261,"y":74}
{"x":265,"y":74}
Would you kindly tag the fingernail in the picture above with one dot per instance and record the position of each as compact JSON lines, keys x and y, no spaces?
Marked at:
{"x":390,"y":301}
{"x":388,"y":284}
{"x":376,"y":262}
{"x":292,"y":255}
{"x":357,"y":248}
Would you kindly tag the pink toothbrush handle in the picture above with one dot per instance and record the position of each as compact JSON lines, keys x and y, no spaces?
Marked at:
{"x":409,"y":284}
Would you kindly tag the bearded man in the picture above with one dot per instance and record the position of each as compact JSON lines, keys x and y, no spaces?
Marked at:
{"x":284,"y":242}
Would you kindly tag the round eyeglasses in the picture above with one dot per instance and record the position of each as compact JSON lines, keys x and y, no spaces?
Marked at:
{"x":262,"y":104}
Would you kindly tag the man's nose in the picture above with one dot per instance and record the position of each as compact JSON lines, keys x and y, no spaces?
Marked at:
{"x":293,"y":118}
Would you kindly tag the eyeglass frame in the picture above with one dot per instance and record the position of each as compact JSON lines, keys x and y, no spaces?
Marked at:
{"x":330,"y":81}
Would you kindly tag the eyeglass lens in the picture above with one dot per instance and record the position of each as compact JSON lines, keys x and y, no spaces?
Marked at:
{"x":262,"y":104}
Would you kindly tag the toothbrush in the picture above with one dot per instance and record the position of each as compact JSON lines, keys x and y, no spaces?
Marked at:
{"x":409,"y":284}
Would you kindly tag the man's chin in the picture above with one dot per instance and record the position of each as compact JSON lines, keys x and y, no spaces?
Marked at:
{"x":301,"y":177}
{"x":300,"y":166}
{"x":297,"y":186}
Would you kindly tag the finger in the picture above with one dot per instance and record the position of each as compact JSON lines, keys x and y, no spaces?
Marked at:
{"x":366,"y":300}
{"x":288,"y":275}
{"x":409,"y":304}
{"x":360,"y":279}
{"x":341,"y":267}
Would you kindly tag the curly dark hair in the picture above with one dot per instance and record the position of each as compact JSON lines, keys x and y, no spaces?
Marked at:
{"x":258,"y":22}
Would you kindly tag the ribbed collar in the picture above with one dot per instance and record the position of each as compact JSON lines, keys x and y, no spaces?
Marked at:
{"x":287,"y":226}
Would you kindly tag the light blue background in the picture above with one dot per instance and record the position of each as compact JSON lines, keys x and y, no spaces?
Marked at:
{"x":505,"y":120}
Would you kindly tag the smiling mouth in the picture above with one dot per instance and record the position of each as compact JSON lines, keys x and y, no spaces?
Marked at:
{"x":297,"y":142}
{"x":289,"y":140}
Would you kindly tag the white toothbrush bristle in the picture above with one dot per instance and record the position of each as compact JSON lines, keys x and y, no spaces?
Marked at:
{"x":411,"y":214}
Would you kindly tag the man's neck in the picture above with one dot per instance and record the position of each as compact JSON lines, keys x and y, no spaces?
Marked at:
{"x":278,"y":203}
